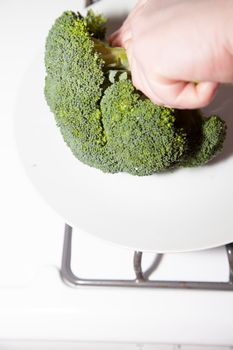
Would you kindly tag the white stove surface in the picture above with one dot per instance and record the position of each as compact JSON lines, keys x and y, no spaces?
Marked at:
{"x":35,"y":304}
{"x":38,"y":345}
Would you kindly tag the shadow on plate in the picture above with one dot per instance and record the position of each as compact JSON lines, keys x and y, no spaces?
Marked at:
{"x":153,"y":267}
{"x":113,"y":24}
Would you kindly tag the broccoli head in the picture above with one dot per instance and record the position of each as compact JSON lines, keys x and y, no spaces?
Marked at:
{"x":104,"y":120}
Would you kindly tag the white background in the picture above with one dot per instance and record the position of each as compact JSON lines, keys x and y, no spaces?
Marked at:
{"x":25,"y":218}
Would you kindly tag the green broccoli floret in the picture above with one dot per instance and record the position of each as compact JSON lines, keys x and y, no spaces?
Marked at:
{"x":103,"y":119}
{"x":143,"y":136}
{"x":212,"y":135}
{"x":96,"y":24}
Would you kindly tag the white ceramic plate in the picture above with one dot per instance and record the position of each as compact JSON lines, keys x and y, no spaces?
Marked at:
{"x":188,"y":209}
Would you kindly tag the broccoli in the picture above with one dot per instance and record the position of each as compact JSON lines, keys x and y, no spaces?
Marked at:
{"x":104,"y":120}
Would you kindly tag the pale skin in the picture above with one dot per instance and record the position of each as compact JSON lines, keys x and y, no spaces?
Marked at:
{"x":179,"y":51}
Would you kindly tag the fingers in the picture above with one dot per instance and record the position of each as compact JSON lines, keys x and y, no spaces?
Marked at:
{"x":161,"y":91}
{"x":115,"y":39}
{"x":120,"y":36}
{"x":140,"y":82}
{"x":193,"y":95}
{"x":182,"y":95}
{"x":168,"y":92}
{"x":123,"y":34}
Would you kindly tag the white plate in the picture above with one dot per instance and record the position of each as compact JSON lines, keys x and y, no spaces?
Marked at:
{"x":188,"y":209}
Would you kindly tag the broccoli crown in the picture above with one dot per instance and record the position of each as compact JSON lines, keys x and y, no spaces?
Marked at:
{"x":104,"y":120}
{"x":143,"y":136}
{"x":212,"y":136}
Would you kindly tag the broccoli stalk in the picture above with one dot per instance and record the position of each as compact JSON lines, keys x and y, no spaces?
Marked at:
{"x":103,"y":119}
{"x":113,"y":57}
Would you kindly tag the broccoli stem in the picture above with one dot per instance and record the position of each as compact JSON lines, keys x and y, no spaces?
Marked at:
{"x":113,"y":57}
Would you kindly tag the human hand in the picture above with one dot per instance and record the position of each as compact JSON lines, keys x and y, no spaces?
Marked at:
{"x":178,"y":50}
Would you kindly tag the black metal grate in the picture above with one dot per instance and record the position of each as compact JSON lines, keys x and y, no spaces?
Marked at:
{"x":140,"y":281}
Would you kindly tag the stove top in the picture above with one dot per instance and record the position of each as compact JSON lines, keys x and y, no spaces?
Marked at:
{"x":142,"y":276}
{"x":41,"y":306}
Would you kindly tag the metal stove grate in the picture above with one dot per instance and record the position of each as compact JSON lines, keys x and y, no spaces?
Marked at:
{"x":140,"y":280}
